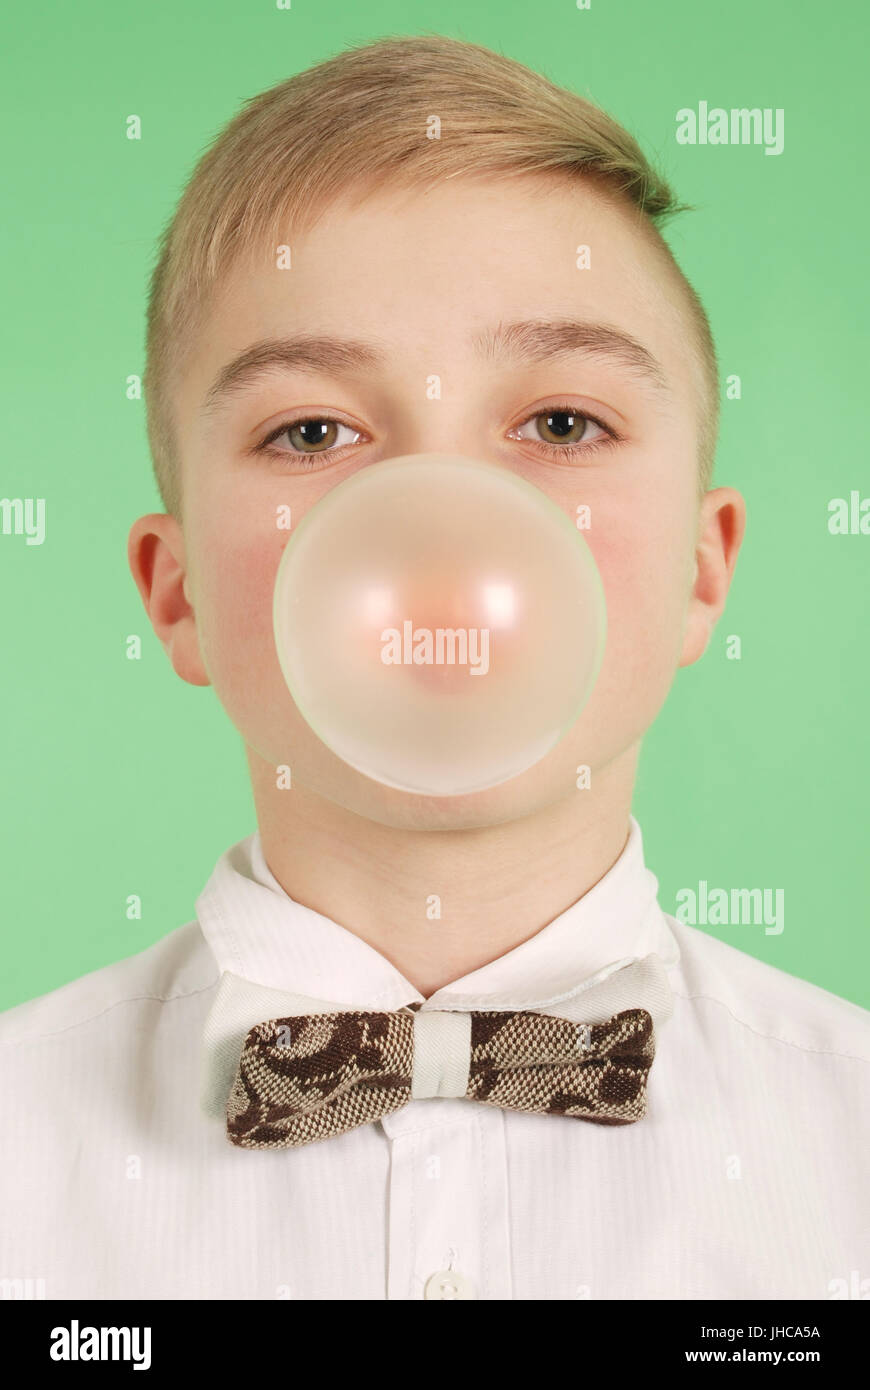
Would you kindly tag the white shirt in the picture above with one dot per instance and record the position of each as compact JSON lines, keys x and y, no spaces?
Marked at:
{"x":746,"y":1178}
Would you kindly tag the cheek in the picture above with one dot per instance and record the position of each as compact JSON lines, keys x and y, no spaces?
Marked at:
{"x":643,"y":569}
{"x":234,"y":618}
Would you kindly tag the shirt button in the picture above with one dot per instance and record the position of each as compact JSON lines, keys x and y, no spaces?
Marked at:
{"x":447,"y":1283}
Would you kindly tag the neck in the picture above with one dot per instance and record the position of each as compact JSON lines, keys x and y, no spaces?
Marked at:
{"x":439,"y":904}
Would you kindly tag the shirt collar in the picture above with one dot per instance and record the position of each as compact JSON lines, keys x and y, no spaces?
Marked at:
{"x":609,"y":951}
{"x":257,"y":931}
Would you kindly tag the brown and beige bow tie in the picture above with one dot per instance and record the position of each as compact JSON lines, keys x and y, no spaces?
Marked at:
{"x":311,"y":1076}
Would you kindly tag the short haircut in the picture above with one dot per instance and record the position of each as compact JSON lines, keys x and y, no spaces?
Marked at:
{"x":359,"y":121}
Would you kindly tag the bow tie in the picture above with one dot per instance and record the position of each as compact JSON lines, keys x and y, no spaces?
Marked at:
{"x":310,"y":1076}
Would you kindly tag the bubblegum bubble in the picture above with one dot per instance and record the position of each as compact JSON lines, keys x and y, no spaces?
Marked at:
{"x":439,"y":623}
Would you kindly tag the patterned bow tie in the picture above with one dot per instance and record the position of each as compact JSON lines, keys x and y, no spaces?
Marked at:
{"x":311,"y":1076}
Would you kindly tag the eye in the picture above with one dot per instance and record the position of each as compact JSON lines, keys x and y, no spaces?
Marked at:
{"x":310,"y":434}
{"x":564,"y":429}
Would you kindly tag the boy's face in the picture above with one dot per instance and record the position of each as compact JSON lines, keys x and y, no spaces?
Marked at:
{"x":417,"y":277}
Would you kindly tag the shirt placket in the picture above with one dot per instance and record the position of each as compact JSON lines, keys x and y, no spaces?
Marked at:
{"x":447,"y":1210}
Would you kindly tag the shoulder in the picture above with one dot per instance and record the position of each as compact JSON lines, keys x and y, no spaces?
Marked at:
{"x":177,"y":967}
{"x":764,"y":1000}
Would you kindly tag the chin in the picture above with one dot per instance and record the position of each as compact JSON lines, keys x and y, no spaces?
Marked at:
{"x":508,"y":801}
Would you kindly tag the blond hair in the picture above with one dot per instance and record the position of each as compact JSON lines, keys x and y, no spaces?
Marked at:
{"x":357,"y":120}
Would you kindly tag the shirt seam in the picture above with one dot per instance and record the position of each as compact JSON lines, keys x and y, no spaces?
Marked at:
{"x":774,"y":1037}
{"x":216,"y":908}
{"x":92,"y":1018}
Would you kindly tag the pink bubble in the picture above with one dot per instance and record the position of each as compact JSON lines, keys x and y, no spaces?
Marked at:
{"x":439,"y":623}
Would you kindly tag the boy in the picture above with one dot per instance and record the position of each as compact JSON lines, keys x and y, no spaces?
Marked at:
{"x":416,"y":211}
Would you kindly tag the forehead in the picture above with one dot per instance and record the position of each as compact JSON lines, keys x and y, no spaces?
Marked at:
{"x":422,"y":273}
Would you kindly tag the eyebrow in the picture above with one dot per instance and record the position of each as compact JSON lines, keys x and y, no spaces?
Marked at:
{"x":526,"y":342}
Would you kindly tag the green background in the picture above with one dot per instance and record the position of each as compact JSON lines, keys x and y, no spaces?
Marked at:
{"x":121,"y":779}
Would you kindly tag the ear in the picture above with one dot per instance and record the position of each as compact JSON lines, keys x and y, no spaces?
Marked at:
{"x":156,"y":555}
{"x":721,"y":524}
